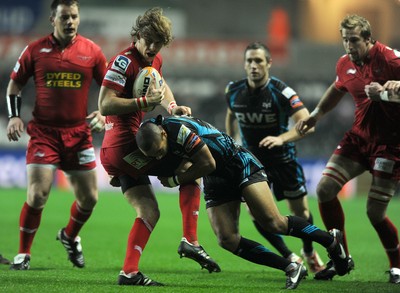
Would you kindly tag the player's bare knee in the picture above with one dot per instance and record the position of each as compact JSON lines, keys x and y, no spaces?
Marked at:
{"x":88,"y":202}
{"x":37,"y":198}
{"x":228,"y":242}
{"x":327,"y":189}
{"x":277,"y":225}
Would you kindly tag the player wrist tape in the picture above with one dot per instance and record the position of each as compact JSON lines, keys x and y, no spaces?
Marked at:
{"x":141,"y":102}
{"x":13,"y":106}
{"x":173,"y":181}
{"x":171,"y":105}
{"x":384,"y":96}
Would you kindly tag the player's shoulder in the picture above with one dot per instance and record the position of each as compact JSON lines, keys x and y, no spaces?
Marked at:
{"x":386,"y":52}
{"x":123,"y":60}
{"x":344,"y":63}
{"x":43,"y":42}
{"x":87,"y":45}
{"x":234,"y":86}
{"x":277,"y":83}
{"x":88,"y":42}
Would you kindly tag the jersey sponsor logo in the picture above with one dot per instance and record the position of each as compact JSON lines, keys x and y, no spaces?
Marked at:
{"x":115,"y":77}
{"x":64,"y":80}
{"x":288,"y":92}
{"x":45,"y":50}
{"x":84,"y":58}
{"x":384,"y":165}
{"x":256,"y":117}
{"x":137,"y":159}
{"x":182,"y":135}
{"x":266,"y":105}
{"x":351,"y":71}
{"x":121,"y":63}
{"x":86,"y":156}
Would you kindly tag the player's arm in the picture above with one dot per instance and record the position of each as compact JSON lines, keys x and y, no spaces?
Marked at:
{"x":329,"y":100}
{"x":169,"y":103}
{"x":289,"y":136}
{"x":389,"y":92}
{"x":231,"y":124}
{"x":15,"y":125}
{"x":111,"y":103}
{"x":202,"y":164}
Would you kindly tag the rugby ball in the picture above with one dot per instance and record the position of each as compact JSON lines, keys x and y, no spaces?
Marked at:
{"x":142,"y":83}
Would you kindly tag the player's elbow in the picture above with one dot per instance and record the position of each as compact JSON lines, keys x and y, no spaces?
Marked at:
{"x":104,"y":107}
{"x":209,"y":167}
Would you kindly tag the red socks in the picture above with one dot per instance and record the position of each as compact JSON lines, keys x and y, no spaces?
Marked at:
{"x":77,"y":219}
{"x":137,"y":240}
{"x":333,"y":217}
{"x":29,"y":222}
{"x":189,"y":202}
{"x":388,"y":234}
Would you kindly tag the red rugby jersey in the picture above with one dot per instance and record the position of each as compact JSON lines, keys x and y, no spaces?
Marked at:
{"x":62,"y":78}
{"x":120,"y":76}
{"x":376,"y":122}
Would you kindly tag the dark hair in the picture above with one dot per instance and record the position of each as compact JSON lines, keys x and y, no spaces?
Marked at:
{"x":153,"y":25}
{"x":147,"y":134}
{"x":350,"y":22}
{"x":259,"y":45}
{"x":55,"y":4}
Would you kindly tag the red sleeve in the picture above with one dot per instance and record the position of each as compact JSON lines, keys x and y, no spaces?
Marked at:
{"x":23,"y":68}
{"x":339,"y":74}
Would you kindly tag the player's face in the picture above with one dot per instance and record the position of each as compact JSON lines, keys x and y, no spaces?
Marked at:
{"x":149,"y":47}
{"x":159,"y":148}
{"x":65,"y":22}
{"x":257,"y":67}
{"x":355,"y":45}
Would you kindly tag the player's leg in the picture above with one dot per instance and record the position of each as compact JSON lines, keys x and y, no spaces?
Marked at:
{"x":259,"y":199}
{"x":40,"y":179}
{"x":276,"y":241}
{"x":84,"y":185}
{"x":189,"y":203}
{"x":140,"y":195}
{"x":224,"y":220}
{"x":338,"y":171}
{"x":379,"y":196}
{"x":299,"y":207}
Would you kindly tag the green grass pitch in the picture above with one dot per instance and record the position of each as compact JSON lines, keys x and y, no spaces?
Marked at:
{"x":104,"y":241}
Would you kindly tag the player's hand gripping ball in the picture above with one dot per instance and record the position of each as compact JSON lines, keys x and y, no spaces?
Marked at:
{"x":142,"y":83}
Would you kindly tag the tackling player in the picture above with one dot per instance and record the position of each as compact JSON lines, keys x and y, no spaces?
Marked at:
{"x":231,"y":173}
{"x":124,"y":162}
{"x":63,"y":65}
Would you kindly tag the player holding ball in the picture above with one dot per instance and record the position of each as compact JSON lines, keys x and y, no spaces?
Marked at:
{"x":125,"y":163}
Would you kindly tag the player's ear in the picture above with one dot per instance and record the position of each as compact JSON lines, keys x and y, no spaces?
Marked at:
{"x":159,"y":119}
{"x":51,"y":18}
{"x":269,"y":62}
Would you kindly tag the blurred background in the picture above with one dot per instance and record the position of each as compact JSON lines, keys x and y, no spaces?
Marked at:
{"x":207,"y":53}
